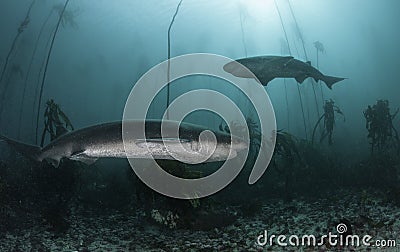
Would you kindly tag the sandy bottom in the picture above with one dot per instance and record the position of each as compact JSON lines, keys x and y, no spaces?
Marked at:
{"x":129,"y":230}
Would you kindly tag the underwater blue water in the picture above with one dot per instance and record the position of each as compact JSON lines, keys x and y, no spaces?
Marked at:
{"x":102,"y":48}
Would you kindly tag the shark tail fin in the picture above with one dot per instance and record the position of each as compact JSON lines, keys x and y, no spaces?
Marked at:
{"x":30,"y":151}
{"x":330,"y":80}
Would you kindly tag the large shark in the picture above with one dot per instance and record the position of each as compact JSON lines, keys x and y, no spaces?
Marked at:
{"x":267,"y":68}
{"x":106,"y":140}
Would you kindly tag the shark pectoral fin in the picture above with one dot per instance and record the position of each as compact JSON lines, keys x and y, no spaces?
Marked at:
{"x":82,"y":157}
{"x":301,"y":78}
{"x":53,"y":161}
{"x":264,"y":81}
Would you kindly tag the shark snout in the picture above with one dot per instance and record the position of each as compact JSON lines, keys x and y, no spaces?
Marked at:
{"x":238,"y":70}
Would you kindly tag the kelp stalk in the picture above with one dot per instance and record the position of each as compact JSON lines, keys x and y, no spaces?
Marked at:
{"x":28,"y":72}
{"x":21,"y":28}
{"x":243,"y":37}
{"x":305,"y":53}
{"x":320,"y":48}
{"x":169,"y":55}
{"x":298,"y":88}
{"x":329,"y":121}
{"x":45,"y":69}
{"x":315,"y":128}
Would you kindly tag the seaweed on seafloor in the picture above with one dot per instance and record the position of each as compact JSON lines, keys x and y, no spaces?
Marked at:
{"x":194,"y":214}
{"x":56,"y":122}
{"x":381,"y":131}
{"x":254,"y":134}
{"x":300,"y":166}
{"x":46,"y":65}
{"x":286,"y":145}
{"x":163,"y":210}
{"x":330,"y":109}
{"x":167,"y":219}
{"x":283,"y":160}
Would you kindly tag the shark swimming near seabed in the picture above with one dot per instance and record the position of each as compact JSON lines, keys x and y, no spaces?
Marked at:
{"x":106,"y":141}
{"x":267,"y":68}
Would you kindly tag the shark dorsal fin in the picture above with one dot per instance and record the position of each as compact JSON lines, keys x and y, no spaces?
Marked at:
{"x":265,"y":80}
{"x":301,"y":78}
{"x":308,"y":62}
{"x":287,"y":60}
{"x":55,"y":162}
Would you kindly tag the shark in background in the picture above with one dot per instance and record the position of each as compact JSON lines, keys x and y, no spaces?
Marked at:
{"x":267,"y":68}
{"x":106,"y":141}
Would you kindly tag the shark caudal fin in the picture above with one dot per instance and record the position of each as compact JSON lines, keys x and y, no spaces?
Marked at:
{"x":330,"y":80}
{"x":29,"y":151}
